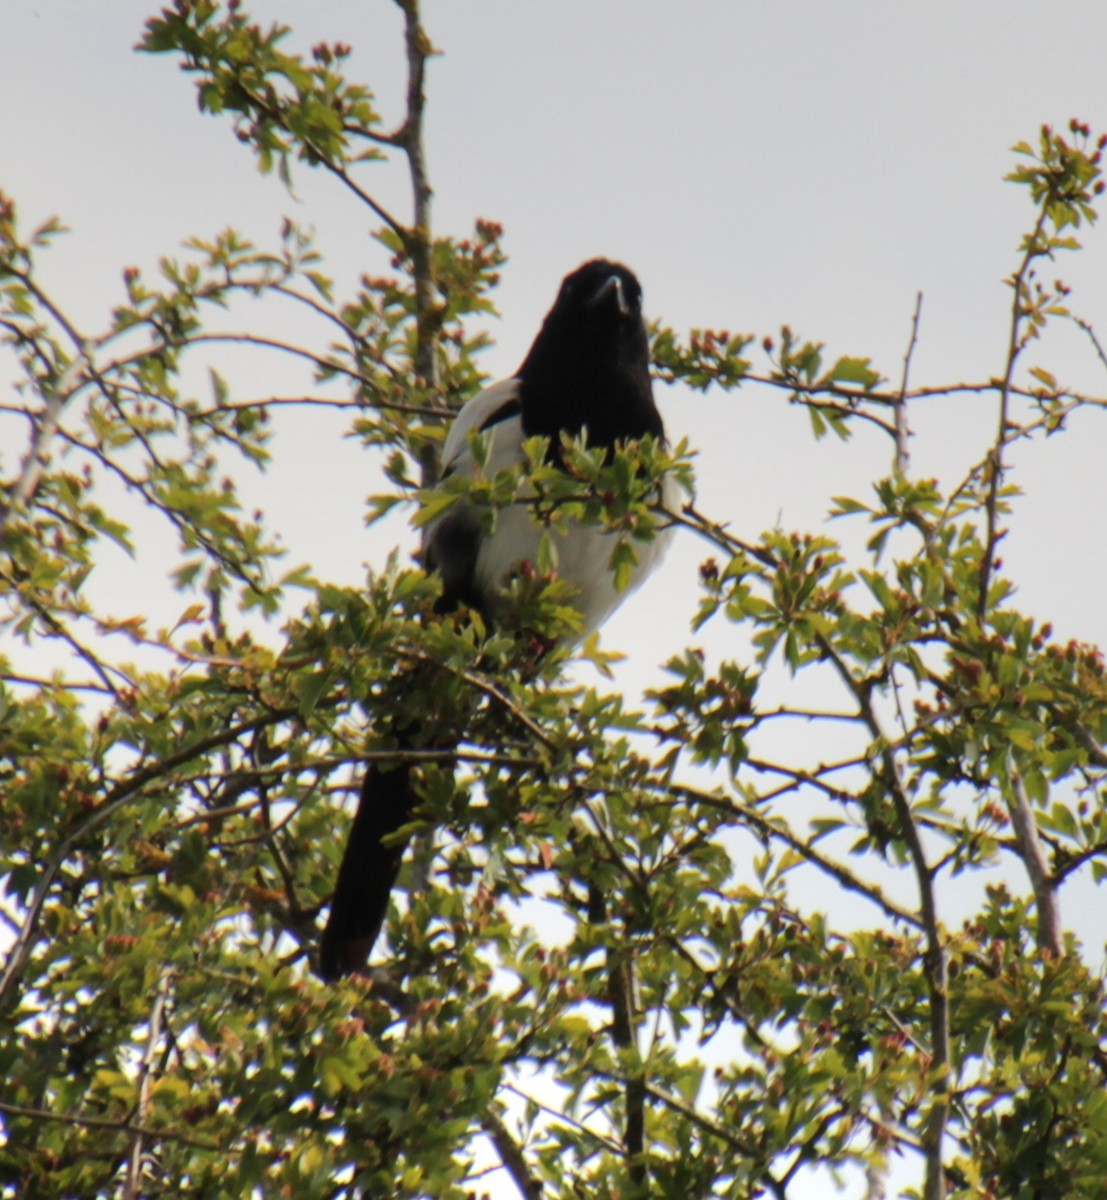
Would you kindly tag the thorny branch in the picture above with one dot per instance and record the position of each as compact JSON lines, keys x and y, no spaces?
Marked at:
{"x":1087,"y":327}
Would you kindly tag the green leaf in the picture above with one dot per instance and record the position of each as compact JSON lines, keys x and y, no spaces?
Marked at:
{"x":853,"y":370}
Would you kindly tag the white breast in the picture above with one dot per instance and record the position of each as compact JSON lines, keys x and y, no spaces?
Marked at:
{"x":583,"y":553}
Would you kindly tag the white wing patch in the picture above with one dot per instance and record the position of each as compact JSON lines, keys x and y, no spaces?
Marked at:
{"x":456,"y":455}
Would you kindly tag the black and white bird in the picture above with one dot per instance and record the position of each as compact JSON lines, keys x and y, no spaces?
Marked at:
{"x":587,"y":373}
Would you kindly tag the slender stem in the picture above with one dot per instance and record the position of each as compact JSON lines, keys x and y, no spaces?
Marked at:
{"x":620,"y":994}
{"x":1097,"y":755}
{"x":59,"y":630}
{"x":765,"y":828}
{"x":903,"y":433}
{"x":995,"y":456}
{"x":419,"y":49}
{"x":565,"y":1118}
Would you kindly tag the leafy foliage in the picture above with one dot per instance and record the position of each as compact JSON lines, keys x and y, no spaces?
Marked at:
{"x":673,"y":1022}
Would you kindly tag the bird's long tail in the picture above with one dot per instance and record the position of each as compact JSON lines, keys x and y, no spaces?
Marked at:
{"x":368,"y":871}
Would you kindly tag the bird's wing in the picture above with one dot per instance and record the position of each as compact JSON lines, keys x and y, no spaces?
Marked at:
{"x":454,"y":543}
{"x":496,"y":405}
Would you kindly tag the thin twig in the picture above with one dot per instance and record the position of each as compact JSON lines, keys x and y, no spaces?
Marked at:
{"x":767,"y":828}
{"x":407,"y":410}
{"x":600,"y":1139}
{"x":624,"y":1030}
{"x":692,"y":519}
{"x":59,"y":630}
{"x":57,"y":390}
{"x":1087,"y":327}
{"x":903,"y":433}
{"x":320,"y":156}
{"x":125,"y":1124}
{"x":56,"y":685}
{"x":485,"y":686}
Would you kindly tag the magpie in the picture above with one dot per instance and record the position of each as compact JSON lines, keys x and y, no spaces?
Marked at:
{"x":587,"y":373}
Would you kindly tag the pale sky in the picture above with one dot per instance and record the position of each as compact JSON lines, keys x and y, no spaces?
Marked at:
{"x":813,"y":164}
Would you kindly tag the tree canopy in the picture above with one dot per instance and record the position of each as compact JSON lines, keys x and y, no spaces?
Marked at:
{"x":602,"y":978}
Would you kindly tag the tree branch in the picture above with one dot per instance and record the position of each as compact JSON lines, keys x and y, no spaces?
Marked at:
{"x":115,"y":798}
{"x":769,"y":829}
{"x":935,"y":961}
{"x":126,"y":1124}
{"x":132,"y":1180}
{"x":1097,"y":756}
{"x":512,"y":1157}
{"x":418,"y":47}
{"x":620,"y":995}
{"x":56,"y":389}
{"x":1034,"y":859}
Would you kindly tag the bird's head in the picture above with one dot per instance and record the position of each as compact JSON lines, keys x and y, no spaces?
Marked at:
{"x":600,"y":300}
{"x":589,"y":367}
{"x":597,"y":316}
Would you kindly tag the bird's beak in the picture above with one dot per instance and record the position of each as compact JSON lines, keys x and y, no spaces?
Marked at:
{"x":612,"y":286}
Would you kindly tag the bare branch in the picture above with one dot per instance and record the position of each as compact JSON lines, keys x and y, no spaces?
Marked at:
{"x":407,"y":410}
{"x":57,"y":389}
{"x":624,"y":1029}
{"x":690,"y":517}
{"x":485,"y":686}
{"x":767,"y":828}
{"x":58,"y":629}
